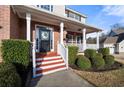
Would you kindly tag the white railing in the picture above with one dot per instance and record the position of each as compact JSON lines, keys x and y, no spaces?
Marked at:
{"x":91,"y":46}
{"x":34,"y":58}
{"x":80,"y":46}
{"x":64,"y":53}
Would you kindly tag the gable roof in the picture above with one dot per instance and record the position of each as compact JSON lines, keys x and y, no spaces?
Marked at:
{"x":111,"y":40}
{"x":119,"y":31}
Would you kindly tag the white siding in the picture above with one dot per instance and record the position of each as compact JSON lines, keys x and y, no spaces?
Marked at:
{"x":83,"y":20}
{"x":121,"y":46}
{"x":59,"y":9}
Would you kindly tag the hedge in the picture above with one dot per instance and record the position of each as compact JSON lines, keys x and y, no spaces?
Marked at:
{"x":8,"y":76}
{"x":72,"y":54}
{"x":89,"y":53}
{"x":17,"y":52}
{"x":83,"y":63}
{"x":104,"y":51}
{"x":109,"y":60}
{"x":98,"y":62}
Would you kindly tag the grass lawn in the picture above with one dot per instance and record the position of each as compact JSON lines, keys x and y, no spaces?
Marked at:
{"x":111,"y":78}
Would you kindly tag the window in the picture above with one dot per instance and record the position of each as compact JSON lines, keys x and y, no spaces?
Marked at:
{"x":73,"y":15}
{"x":77,"y":17}
{"x":46,"y":7}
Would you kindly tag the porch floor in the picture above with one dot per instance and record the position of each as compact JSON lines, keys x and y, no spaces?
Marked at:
{"x":66,"y":78}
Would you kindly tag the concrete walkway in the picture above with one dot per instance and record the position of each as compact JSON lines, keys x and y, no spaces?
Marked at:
{"x":66,"y":78}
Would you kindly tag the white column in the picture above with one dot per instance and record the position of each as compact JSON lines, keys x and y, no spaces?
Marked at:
{"x":28,"y":26}
{"x":61,"y":32}
{"x":72,"y":40}
{"x":84,"y":38}
{"x":76,"y":40}
{"x":97,"y":41}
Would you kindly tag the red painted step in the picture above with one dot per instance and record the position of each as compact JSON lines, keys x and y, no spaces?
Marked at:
{"x":49,"y":69}
{"x":49,"y":64}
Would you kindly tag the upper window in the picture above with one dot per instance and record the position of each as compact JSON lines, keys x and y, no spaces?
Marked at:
{"x":46,"y":7}
{"x":73,"y":15}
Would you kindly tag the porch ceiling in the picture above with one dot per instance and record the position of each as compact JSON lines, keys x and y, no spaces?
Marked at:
{"x":50,"y":18}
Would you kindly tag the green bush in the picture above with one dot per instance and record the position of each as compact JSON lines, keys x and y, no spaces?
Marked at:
{"x":89,"y":53}
{"x":99,"y":54}
{"x":72,"y":54}
{"x":104,"y":51}
{"x":8,"y":76}
{"x":109,"y":60}
{"x":98,"y":62}
{"x":83,"y":62}
{"x":18,"y":53}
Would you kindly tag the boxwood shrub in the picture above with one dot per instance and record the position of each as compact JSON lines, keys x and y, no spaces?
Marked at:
{"x":8,"y":76}
{"x":99,"y":54}
{"x":104,"y":51}
{"x":109,"y":60}
{"x":98,"y":62}
{"x":83,"y":63}
{"x":89,"y":53}
{"x":17,"y":52}
{"x":72,"y":54}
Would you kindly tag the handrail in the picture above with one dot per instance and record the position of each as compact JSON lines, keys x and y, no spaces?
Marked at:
{"x":34,"y":58}
{"x":64,"y":53}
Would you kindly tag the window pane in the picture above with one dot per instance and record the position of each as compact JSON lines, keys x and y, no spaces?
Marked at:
{"x":71,"y":15}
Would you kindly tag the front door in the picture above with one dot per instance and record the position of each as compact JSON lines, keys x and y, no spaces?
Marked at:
{"x":43,"y":39}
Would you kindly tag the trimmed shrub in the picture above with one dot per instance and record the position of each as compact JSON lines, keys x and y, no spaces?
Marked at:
{"x":72,"y":54}
{"x":83,"y":63}
{"x":104,"y":51}
{"x":109,"y":60}
{"x":89,"y":53}
{"x":99,"y":54}
{"x":98,"y":62}
{"x":17,"y":52}
{"x":8,"y":76}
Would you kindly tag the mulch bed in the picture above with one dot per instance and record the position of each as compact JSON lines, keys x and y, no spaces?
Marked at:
{"x":107,"y":77}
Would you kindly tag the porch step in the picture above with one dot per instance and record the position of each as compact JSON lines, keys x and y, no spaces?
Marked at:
{"x":49,"y":64}
{"x":48,"y":58}
{"x":48,"y":61}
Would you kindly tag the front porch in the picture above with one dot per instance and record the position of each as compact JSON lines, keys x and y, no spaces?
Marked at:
{"x":76,"y":39}
{"x":51,"y":33}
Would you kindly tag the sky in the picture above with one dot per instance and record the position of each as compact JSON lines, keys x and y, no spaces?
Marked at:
{"x":101,"y":16}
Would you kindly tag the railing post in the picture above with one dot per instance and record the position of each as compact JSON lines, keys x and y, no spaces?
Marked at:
{"x":67,"y":58}
{"x":34,"y":59}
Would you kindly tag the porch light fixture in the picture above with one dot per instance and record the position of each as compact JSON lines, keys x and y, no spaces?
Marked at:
{"x":79,"y":29}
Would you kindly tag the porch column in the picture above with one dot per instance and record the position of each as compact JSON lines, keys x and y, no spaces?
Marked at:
{"x":76,"y":40}
{"x":28,"y":26}
{"x":97,"y":40}
{"x":72,"y":40}
{"x":61,"y":32}
{"x":84,"y":39}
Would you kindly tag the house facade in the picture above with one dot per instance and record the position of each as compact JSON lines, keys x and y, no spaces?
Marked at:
{"x":49,"y":28}
{"x":115,"y":41}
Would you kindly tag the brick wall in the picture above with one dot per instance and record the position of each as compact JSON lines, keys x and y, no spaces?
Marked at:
{"x":4,"y":22}
{"x":14,"y":27}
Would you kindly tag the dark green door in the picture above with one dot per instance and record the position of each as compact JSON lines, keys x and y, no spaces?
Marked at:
{"x":44,"y":40}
